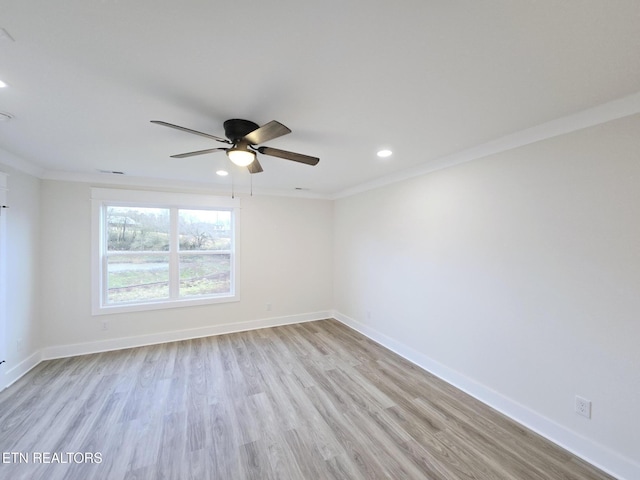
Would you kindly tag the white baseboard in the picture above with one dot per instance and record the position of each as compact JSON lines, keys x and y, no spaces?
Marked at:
{"x":15,"y":373}
{"x":598,"y":455}
{"x":609,"y":461}
{"x":61,"y":351}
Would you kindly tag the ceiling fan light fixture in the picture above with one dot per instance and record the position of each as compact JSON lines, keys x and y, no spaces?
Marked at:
{"x":241,"y":156}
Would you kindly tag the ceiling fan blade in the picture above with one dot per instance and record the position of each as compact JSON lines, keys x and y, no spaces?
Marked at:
{"x":296,"y":157}
{"x":267,"y":132}
{"x":199,"y":152}
{"x":255,"y":167}
{"x":188,"y":130}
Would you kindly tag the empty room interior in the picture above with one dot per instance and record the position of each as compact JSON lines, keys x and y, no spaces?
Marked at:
{"x":308,"y":240}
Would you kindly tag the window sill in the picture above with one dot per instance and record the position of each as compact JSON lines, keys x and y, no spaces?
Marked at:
{"x":162,"y":305}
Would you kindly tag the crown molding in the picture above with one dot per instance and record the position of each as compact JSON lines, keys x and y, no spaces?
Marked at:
{"x":603,"y":113}
{"x":18,"y":163}
{"x":165,"y":184}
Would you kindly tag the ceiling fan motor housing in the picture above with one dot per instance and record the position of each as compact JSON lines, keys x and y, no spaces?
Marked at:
{"x":236,"y":128}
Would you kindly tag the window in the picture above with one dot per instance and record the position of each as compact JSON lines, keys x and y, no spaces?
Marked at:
{"x":157,"y":250}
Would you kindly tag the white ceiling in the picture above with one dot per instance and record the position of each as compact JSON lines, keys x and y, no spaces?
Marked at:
{"x":428,"y":79}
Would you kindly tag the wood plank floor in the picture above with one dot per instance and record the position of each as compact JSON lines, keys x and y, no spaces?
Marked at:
{"x":308,"y":401}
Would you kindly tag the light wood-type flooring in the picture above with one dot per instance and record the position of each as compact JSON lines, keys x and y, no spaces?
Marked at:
{"x":308,"y":401}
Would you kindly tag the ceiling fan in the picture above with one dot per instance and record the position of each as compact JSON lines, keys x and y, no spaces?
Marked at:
{"x":243,"y":136}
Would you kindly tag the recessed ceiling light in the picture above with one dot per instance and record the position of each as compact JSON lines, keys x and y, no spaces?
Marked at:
{"x":222,"y":173}
{"x":2,"y":84}
{"x":384,"y":153}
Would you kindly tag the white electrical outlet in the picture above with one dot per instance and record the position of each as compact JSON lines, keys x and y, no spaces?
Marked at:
{"x":583,"y":406}
{"x":268,"y":307}
{"x":105,"y":325}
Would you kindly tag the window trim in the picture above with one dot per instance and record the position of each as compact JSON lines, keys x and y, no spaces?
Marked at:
{"x":144,"y":198}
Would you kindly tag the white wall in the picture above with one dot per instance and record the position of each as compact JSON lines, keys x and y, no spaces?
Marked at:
{"x":285,"y":251}
{"x":21,"y":244}
{"x":516,"y":276}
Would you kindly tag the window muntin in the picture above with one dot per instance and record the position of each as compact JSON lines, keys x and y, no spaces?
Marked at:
{"x":158,"y":256}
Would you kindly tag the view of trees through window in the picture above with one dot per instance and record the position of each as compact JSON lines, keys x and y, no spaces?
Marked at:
{"x":144,"y":253}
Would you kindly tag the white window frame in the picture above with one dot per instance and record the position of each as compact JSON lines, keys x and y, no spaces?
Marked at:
{"x":101,"y":197}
